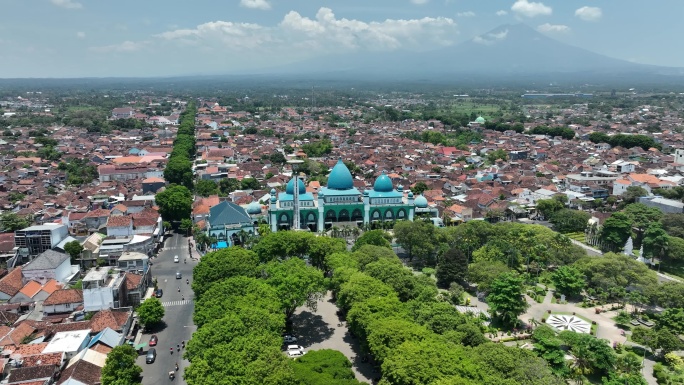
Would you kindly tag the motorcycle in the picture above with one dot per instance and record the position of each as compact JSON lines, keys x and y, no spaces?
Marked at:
{"x":172,"y":375}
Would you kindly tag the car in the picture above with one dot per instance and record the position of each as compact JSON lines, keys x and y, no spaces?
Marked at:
{"x":159,"y":293}
{"x":153,"y":340}
{"x":178,"y":275}
{"x":151,"y":356}
{"x":289,"y":339}
{"x":295,"y":353}
{"x":175,"y":259}
{"x":293,"y":348}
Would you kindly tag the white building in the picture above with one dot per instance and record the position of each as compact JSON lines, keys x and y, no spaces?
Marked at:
{"x":102,"y":290}
{"x":48,"y":265}
{"x":68,"y":342}
{"x":37,"y":239}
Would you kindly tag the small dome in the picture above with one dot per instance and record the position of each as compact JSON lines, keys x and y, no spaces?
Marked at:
{"x":273,"y":191}
{"x":421,"y":202}
{"x":383,"y":183}
{"x":254,"y":208}
{"x":410,"y":195}
{"x":273,"y":198}
{"x":290,"y":187}
{"x":366,"y":193}
{"x":480,"y":120}
{"x":340,"y":178}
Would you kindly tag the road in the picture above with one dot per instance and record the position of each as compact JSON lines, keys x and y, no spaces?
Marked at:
{"x":178,"y":308}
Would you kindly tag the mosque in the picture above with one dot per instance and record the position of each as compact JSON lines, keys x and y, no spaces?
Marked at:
{"x":340,"y":203}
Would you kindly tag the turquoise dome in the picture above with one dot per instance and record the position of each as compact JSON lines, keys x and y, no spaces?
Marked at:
{"x":290,"y":187}
{"x":254,"y":208}
{"x":383,"y":183}
{"x":480,"y":120}
{"x":340,"y":178}
{"x":421,"y":202}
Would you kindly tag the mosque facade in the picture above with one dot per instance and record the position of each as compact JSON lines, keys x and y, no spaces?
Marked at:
{"x":341,"y":202}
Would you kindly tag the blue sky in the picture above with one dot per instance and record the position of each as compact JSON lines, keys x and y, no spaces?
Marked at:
{"x":83,"y":38}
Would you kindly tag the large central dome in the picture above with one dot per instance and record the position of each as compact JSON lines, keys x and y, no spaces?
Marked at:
{"x":340,"y":178}
{"x":290,"y":187}
{"x":383,"y":183}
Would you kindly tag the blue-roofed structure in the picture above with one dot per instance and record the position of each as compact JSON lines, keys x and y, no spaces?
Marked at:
{"x":228,"y":222}
{"x":341,"y":202}
{"x":107,"y":337}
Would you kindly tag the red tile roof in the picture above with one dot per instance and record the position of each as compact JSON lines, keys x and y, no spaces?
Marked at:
{"x":12,"y":282}
{"x":64,"y":296}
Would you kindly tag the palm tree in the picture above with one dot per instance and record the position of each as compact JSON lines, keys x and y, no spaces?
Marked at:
{"x":335,"y":231}
{"x":356,"y":232}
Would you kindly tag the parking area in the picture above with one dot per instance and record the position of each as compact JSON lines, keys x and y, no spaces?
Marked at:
{"x":321,"y":329}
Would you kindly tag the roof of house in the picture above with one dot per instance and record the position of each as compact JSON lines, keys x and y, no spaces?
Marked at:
{"x":119,"y":221}
{"x":64,"y":296}
{"x":17,"y":334}
{"x":82,"y":371}
{"x":30,"y":289}
{"x":50,"y":286}
{"x":228,"y":213}
{"x":108,"y":337}
{"x":110,"y":318}
{"x":24,"y":374}
{"x":47,"y":260}
{"x":12,"y":282}
{"x":43,"y":359}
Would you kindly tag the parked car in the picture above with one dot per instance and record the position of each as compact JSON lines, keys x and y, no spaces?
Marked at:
{"x":288,"y":339}
{"x":178,"y":275}
{"x":151,"y":356}
{"x":295,"y":348}
{"x":159,"y":293}
{"x":175,"y":259}
{"x":295,"y":353}
{"x":153,"y":340}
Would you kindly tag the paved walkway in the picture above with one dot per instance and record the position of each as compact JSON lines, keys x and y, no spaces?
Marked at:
{"x":319,"y":330}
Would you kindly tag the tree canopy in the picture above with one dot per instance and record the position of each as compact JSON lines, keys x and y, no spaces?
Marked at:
{"x":175,"y":203}
{"x":150,"y":312}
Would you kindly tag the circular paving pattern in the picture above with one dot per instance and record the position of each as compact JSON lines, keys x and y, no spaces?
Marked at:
{"x":569,"y":322}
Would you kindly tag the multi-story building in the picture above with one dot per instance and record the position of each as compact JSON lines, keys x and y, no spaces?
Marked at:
{"x":37,"y":239}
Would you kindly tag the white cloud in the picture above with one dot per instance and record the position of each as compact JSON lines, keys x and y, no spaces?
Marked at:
{"x":553,"y":28}
{"x":419,"y":2}
{"x":80,"y":35}
{"x":530,"y":9}
{"x":322,"y":34}
{"x":126,"y":46}
{"x":490,"y":38}
{"x":69,"y":4}
{"x":256,"y":4}
{"x":466,"y":14}
{"x":589,"y":13}
{"x":501,"y":12}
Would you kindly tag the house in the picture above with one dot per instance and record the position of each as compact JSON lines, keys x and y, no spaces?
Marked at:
{"x":43,"y":374}
{"x":81,"y":373}
{"x":63,"y":301}
{"x":46,"y":266}
{"x":11,"y":284}
{"x":119,"y":320}
{"x":31,"y":292}
{"x":119,"y":226}
{"x":102,"y":290}
{"x":96,"y":220}
{"x":105,"y":341}
{"x":70,"y":343}
{"x":152,"y":185}
{"x":37,"y":239}
{"x":123,"y":113}
{"x":668,"y":206}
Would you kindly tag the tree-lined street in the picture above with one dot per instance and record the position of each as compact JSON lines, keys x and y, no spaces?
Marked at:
{"x":177,"y":324}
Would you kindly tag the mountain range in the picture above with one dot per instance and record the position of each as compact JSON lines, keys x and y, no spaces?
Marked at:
{"x":502,"y":52}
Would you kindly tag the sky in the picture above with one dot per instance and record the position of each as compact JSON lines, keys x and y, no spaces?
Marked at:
{"x":107,"y":38}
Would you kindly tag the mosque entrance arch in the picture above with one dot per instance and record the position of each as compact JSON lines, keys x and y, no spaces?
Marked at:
{"x":344,"y":216}
{"x":389,"y":215}
{"x":356,"y":215}
{"x":401,"y":214}
{"x":330,"y":216}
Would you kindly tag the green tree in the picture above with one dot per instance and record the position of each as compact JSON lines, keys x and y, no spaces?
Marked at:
{"x":632,"y":193}
{"x":360,"y":287}
{"x":629,"y":364}
{"x":506,"y":297}
{"x":373,"y":237}
{"x":11,"y":221}
{"x":185,"y":224}
{"x":642,"y":217}
{"x":250,"y":184}
{"x":206,"y":187}
{"x":616,"y":230}
{"x":673,"y":224}
{"x":324,"y":367}
{"x":672,"y":319}
{"x":281,"y":245}
{"x":484,"y":273}
{"x":222,"y":264}
{"x":150,"y":312}
{"x":179,"y":171}
{"x":74,"y":249}
{"x":175,"y":203}
{"x":615,"y":271}
{"x":570,"y":221}
{"x":452,"y":267}
{"x":387,"y":334}
{"x":296,"y":284}
{"x":495,"y":155}
{"x":321,"y":247}
{"x":419,"y":188}
{"x":418,"y":238}
{"x":568,"y":280}
{"x":120,"y":367}
{"x":228,"y":185}
{"x":547,"y":207}
{"x":656,"y":241}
